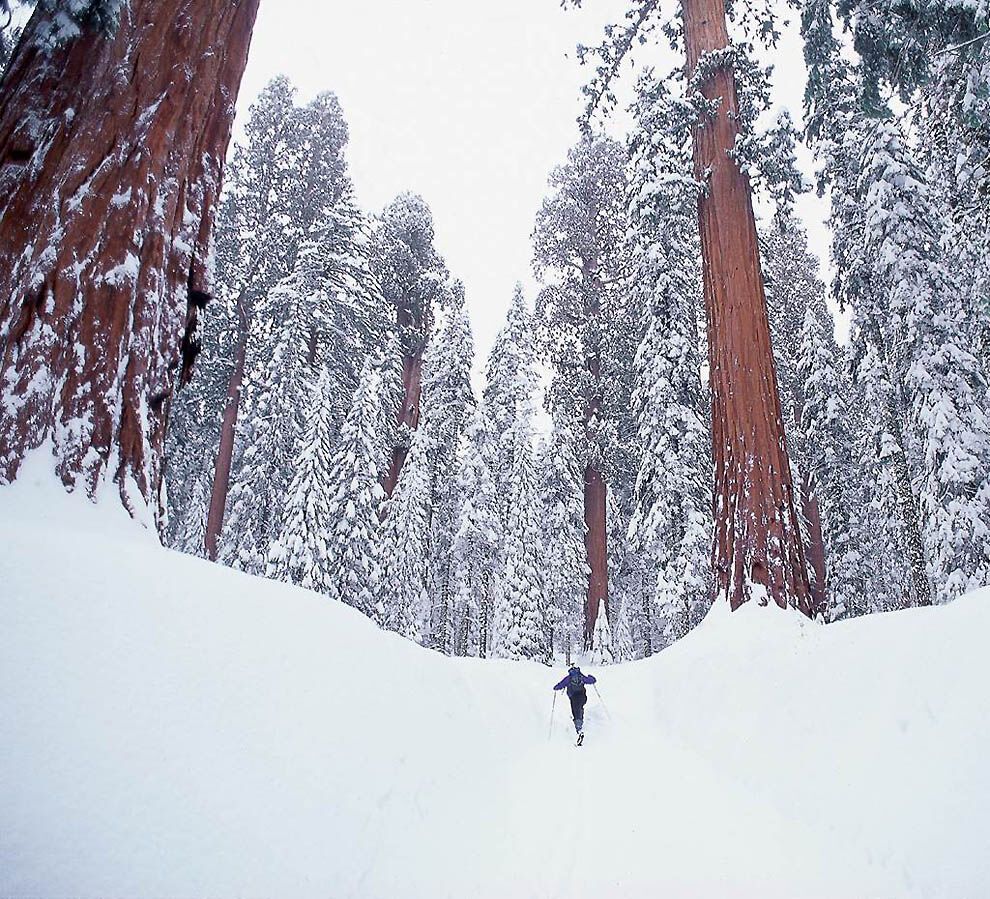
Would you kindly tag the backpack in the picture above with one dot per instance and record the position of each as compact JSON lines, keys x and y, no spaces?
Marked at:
{"x":575,"y":683}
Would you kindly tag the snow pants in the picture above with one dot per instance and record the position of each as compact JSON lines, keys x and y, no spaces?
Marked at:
{"x":578,"y":701}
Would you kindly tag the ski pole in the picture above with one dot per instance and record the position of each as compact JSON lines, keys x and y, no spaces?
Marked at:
{"x":552,"y":707}
{"x":602,"y":701}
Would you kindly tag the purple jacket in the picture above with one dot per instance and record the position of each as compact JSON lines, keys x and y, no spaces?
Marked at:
{"x":588,"y":679}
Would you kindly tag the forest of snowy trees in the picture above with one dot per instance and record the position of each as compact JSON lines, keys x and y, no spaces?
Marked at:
{"x":674,"y":384}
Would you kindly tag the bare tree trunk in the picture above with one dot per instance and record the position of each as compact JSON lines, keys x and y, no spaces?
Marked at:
{"x":811,"y":509}
{"x":228,"y":431}
{"x":111,"y":151}
{"x":595,"y":486}
{"x":596,"y":545}
{"x":757,"y":537}
{"x":412,"y":381}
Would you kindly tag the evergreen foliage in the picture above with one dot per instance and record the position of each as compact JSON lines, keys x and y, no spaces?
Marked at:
{"x":448,"y":399}
{"x":475,"y":547}
{"x":565,"y":566}
{"x":667,"y":587}
{"x":299,"y":552}
{"x":354,"y":495}
{"x":943,"y":385}
{"x":404,"y":546}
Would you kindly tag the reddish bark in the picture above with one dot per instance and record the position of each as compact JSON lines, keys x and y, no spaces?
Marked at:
{"x":595,"y":486}
{"x":110,"y":162}
{"x":816,"y":544}
{"x":408,"y":416}
{"x":596,"y":545}
{"x":757,"y":538}
{"x":228,"y":430}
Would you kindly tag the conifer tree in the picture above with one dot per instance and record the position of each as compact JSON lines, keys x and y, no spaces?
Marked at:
{"x":281,"y":391}
{"x":411,"y":277}
{"x":828,"y":428}
{"x":299,"y":552}
{"x":325,"y":314}
{"x":758,"y":550}
{"x":474,"y":552}
{"x":510,"y":384}
{"x":101,"y":288}
{"x":565,"y":565}
{"x":354,"y":494}
{"x":579,"y":252}
{"x":521,"y":615}
{"x":287,"y":187}
{"x":835,"y":124}
{"x":669,"y":586}
{"x":602,"y":648}
{"x":448,"y":399}
{"x":793,"y":289}
{"x":404,"y":546}
{"x":916,"y":310}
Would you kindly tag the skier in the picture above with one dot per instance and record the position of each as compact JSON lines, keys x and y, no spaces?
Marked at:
{"x":574,"y":682}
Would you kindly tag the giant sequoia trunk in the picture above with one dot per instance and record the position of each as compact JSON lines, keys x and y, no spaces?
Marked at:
{"x":595,"y":485}
{"x":408,"y":416}
{"x":757,"y":538}
{"x":111,"y":151}
{"x":596,"y":545}
{"x":812,"y":512}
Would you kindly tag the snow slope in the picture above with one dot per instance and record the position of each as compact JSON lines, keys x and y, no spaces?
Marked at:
{"x":171,"y":728}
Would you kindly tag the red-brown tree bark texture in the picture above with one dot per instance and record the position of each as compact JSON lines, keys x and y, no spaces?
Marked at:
{"x":408,"y":416}
{"x":111,"y":150}
{"x":596,"y":546}
{"x":811,"y":509}
{"x":757,"y":538}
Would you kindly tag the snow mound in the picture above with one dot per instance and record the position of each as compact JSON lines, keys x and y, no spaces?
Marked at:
{"x":173,"y":728}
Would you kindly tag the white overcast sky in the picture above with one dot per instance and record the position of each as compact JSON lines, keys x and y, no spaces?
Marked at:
{"x":470,"y":103}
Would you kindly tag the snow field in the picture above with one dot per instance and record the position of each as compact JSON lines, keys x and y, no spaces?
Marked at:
{"x":173,"y":728}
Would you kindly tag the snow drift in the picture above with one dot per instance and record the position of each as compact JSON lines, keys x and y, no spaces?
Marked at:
{"x":173,"y":728}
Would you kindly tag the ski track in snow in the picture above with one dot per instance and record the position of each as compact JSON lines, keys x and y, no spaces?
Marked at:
{"x":173,"y":728}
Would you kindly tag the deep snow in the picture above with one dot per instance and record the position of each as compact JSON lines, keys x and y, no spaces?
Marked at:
{"x":172,"y":728}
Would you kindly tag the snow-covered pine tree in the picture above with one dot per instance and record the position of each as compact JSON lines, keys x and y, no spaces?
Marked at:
{"x":279,"y":396}
{"x":299,"y":552}
{"x":354,"y":493}
{"x":565,"y":560}
{"x":955,"y":149}
{"x":518,"y":619}
{"x":890,"y":529}
{"x":668,"y":588}
{"x":828,"y":430}
{"x":101,"y":289}
{"x":794,"y":291}
{"x":511,"y":382}
{"x":411,"y":277}
{"x":579,"y":254}
{"x":404,"y":546}
{"x":758,"y":551}
{"x":329,"y":315}
{"x":287,"y":183}
{"x":915,"y":316}
{"x":448,"y":400}
{"x":475,"y":548}
{"x":520,"y":630}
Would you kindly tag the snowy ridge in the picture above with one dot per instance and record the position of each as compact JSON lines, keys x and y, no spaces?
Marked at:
{"x":174,"y":728}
